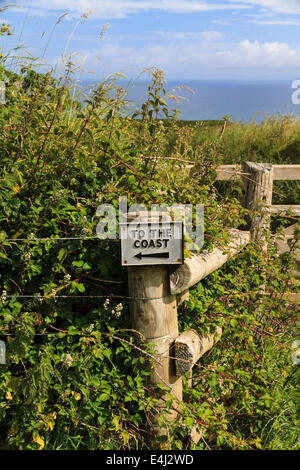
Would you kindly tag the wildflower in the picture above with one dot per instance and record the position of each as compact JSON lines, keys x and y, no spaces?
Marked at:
{"x":119,"y":307}
{"x":67,"y":361}
{"x":31,"y":236}
{"x":67,"y":278}
{"x":3,"y":295}
{"x":90,"y":328}
{"x":116,"y":313}
{"x":27,"y":256}
{"x":106,"y":304}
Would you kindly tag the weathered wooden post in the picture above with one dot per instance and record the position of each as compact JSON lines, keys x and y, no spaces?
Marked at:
{"x":189,"y":347}
{"x":155,"y":316}
{"x":257,"y":190}
{"x":257,"y":197}
{"x":150,"y":246}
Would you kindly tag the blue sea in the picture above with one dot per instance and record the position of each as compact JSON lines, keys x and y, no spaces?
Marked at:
{"x":242,"y":100}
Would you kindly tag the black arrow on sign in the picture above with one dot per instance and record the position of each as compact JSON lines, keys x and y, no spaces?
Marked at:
{"x":152,"y":255}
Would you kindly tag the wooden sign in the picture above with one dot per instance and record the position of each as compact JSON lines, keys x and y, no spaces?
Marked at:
{"x":151,"y":243}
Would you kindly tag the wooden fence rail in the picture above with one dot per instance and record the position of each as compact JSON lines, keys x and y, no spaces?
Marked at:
{"x":198,"y":266}
{"x":281,"y":172}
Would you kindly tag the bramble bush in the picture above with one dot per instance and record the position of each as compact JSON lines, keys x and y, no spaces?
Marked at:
{"x":76,"y":374}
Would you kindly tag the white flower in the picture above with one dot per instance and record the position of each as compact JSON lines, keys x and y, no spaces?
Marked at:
{"x":119,"y":307}
{"x":106,"y":304}
{"x":3,"y":296}
{"x":116,"y":313}
{"x":67,"y":278}
{"x":67,"y":360}
{"x":90,"y":328}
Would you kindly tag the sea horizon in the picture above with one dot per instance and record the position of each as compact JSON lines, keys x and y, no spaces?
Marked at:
{"x":241,"y":99}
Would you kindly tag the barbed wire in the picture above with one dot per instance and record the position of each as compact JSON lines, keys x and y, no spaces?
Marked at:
{"x":107,"y":296}
{"x":110,"y":296}
{"x":48,"y":239}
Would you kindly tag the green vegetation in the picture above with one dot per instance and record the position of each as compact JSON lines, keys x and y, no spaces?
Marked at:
{"x":76,"y":375}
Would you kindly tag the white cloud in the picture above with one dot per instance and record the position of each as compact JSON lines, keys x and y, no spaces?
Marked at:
{"x":274,"y":57}
{"x":208,"y":36}
{"x":275,"y":54}
{"x":276,"y":22}
{"x":222,"y":22}
{"x":279,"y":6}
{"x":121,"y":8}
{"x":212,"y":35}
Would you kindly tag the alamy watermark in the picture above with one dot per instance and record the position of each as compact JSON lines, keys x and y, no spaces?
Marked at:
{"x":296,"y":95}
{"x":2,"y":352}
{"x":2,"y":92}
{"x":192,"y":217}
{"x":296,"y":354}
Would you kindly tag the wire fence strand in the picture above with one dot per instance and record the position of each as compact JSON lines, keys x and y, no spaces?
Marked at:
{"x":49,"y":239}
{"x":107,"y":296}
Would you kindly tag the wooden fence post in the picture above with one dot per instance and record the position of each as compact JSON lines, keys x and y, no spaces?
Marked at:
{"x":257,"y":192}
{"x":189,"y":347}
{"x":154,"y":314}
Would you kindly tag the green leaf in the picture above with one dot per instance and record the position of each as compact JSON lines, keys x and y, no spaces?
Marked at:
{"x":62,"y":252}
{"x":80,"y":287}
{"x":103,"y":397}
{"x":131,"y":179}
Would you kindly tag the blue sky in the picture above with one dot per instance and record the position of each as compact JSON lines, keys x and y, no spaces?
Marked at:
{"x":191,"y":39}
